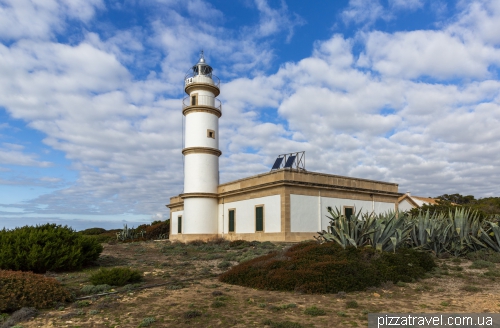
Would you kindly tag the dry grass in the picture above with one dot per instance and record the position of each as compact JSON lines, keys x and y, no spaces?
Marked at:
{"x":193,"y":296}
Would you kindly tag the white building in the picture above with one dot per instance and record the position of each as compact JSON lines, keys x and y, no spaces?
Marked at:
{"x":408,"y":202}
{"x":286,"y":204}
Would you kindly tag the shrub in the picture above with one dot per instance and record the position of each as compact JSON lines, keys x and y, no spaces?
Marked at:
{"x":484,"y":254}
{"x":146,"y":322}
{"x":351,"y":304}
{"x":191,"y":314}
{"x":26,"y":289}
{"x":236,"y":243}
{"x":224,"y":265}
{"x":481,"y":264}
{"x":115,"y":276}
{"x":157,"y":230}
{"x":472,"y":289}
{"x":328,"y":268}
{"x":281,"y":324}
{"x":91,"y":289}
{"x":22,"y":314}
{"x":218,"y":304}
{"x":314,"y":311}
{"x":47,"y":247}
{"x":196,"y":242}
{"x":92,"y":231}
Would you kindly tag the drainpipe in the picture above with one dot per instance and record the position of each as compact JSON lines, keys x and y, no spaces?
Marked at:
{"x":222,"y":217}
{"x":373,"y":204}
{"x":319,"y":209}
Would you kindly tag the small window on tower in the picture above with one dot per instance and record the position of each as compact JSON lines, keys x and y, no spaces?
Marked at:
{"x":193,"y":100}
{"x":210,"y":133}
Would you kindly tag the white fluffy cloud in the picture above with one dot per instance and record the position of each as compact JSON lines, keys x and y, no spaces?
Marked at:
{"x":40,"y":19}
{"x":370,"y":116}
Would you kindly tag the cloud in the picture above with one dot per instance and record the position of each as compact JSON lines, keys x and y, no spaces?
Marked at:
{"x":406,"y":4}
{"x":12,"y":155}
{"x":41,"y":19}
{"x":370,"y":116}
{"x":435,"y":54}
{"x":273,"y":21}
{"x":364,"y":12}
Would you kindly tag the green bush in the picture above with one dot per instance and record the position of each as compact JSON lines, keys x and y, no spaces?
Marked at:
{"x":91,"y":289}
{"x":328,"y":268}
{"x":47,"y":247}
{"x":482,"y":264}
{"x":115,"y":276}
{"x":314,"y":311}
{"x":26,"y":289}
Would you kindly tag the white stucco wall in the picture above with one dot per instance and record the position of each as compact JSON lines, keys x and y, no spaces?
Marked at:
{"x":200,"y":216}
{"x":201,"y":173}
{"x":405,"y":205}
{"x":308,"y":213}
{"x":173,"y":221}
{"x":245,"y":214}
{"x":197,"y":124}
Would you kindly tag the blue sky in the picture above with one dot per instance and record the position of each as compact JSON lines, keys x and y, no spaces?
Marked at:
{"x":406,"y":91}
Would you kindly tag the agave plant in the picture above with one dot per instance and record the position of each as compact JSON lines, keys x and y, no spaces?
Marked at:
{"x":347,"y":231}
{"x":457,"y":233}
{"x":466,"y":232}
{"x":430,"y":232}
{"x":390,"y":231}
{"x":384,"y":232}
{"x":490,"y":234}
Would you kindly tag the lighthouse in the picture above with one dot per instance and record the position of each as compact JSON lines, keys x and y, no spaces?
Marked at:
{"x":202,"y":111}
{"x":287,"y":203}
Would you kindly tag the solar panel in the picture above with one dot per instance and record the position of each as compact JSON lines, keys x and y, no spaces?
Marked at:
{"x":290,"y":160}
{"x":277,"y":164}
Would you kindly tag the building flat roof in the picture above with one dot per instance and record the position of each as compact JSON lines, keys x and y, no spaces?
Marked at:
{"x":308,"y":177}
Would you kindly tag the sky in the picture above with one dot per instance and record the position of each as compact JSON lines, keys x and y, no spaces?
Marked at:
{"x":404,"y":91}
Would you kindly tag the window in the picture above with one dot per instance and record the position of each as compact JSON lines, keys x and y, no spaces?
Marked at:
{"x":179,"y":224}
{"x":193,"y":100}
{"x":259,"y":218}
{"x":210,"y":134}
{"x":231,"y":220}
{"x":348,"y":211}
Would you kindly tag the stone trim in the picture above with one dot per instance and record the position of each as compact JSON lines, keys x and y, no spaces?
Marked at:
{"x":202,"y":86}
{"x":201,"y":150}
{"x":259,"y":236}
{"x":177,"y":205}
{"x":201,"y":109}
{"x":292,"y":183}
{"x":199,"y":195}
{"x":286,"y":174}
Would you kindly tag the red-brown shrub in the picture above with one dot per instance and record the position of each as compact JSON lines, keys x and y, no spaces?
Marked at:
{"x":155,"y":230}
{"x":328,"y":268}
{"x":26,"y":289}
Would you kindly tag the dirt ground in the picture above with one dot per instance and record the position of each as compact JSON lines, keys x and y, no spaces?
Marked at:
{"x":190,"y":295}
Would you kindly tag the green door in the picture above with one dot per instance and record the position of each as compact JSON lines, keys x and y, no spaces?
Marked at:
{"x":231,"y":220}
{"x":179,"y":224}
{"x":259,"y":218}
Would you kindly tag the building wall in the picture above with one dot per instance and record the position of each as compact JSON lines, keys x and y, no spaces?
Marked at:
{"x":309,"y":213}
{"x":405,"y":206}
{"x":202,"y":173}
{"x":173,"y":221}
{"x":197,"y":124}
{"x":245,"y":214}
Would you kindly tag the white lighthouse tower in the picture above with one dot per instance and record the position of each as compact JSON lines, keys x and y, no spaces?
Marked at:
{"x":202,"y":111}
